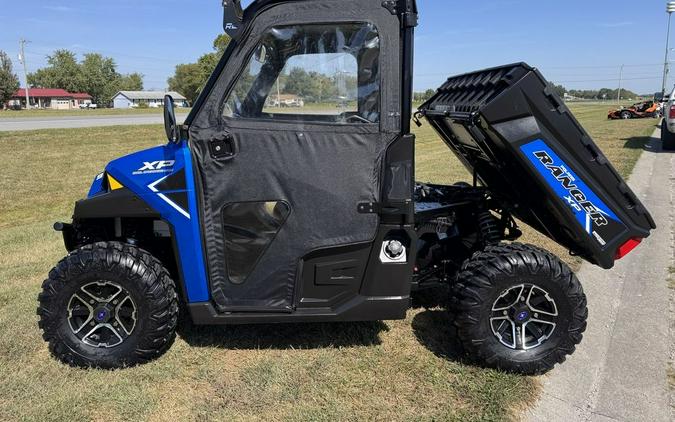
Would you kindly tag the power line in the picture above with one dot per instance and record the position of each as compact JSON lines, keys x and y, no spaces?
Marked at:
{"x":611,"y":80}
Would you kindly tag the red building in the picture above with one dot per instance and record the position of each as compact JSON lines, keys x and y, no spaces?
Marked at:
{"x":57,"y":99}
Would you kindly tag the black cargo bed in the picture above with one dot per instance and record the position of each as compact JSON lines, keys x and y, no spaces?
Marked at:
{"x":517,"y":136}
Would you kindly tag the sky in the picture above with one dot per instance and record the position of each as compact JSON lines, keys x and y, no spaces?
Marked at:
{"x":580,"y":44}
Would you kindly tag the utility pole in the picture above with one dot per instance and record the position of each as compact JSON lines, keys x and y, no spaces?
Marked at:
{"x":22,"y":60}
{"x":618,"y":97}
{"x":670,"y":8}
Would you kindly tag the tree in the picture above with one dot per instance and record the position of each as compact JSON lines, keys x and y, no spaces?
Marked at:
{"x":63,"y":72}
{"x":99,"y":77}
{"x":9,"y":83}
{"x":130,"y":82}
{"x":423,"y":96}
{"x":190,"y":78}
{"x":559,"y":89}
{"x":96,"y":75}
{"x":187,"y":80}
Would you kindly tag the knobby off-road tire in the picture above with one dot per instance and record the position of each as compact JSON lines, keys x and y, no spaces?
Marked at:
{"x":108,"y":284}
{"x":490,"y":281}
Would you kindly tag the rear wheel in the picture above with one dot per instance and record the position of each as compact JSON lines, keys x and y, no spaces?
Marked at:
{"x":667,"y":138}
{"x":108,"y":305}
{"x":519,"y":309}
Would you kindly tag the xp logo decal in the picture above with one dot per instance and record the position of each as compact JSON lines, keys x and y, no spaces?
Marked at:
{"x":596,"y":218}
{"x":155,"y":167}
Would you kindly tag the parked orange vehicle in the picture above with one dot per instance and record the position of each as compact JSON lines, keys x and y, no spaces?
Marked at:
{"x":636,"y":111}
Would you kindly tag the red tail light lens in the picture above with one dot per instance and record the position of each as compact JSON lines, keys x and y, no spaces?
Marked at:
{"x":671,"y":112}
{"x":627,"y":247}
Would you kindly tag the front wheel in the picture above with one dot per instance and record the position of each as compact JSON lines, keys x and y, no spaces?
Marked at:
{"x":108,"y":305}
{"x":519,"y":309}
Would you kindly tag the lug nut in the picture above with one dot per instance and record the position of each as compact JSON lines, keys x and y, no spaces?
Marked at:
{"x":536,"y":315}
{"x":92,"y":323}
{"x":505,"y":312}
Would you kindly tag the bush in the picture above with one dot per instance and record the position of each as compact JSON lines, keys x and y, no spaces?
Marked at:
{"x":143,"y":105}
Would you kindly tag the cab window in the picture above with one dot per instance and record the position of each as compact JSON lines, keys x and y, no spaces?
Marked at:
{"x":311,"y":73}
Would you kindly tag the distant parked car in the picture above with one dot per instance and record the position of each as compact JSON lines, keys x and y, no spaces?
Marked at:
{"x":86,"y":106}
{"x":668,"y":124}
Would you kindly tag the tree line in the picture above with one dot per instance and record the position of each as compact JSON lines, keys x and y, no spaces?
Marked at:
{"x":95,"y":74}
{"x":595,"y":94}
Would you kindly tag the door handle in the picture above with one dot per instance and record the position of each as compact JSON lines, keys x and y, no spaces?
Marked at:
{"x":222,"y":147}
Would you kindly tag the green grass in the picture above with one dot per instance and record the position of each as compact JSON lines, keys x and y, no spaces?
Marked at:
{"x":400,"y":370}
{"x":12,"y":114}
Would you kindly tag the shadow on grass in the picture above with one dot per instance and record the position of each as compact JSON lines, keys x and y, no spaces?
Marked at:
{"x":434,"y":329}
{"x":637,"y":142}
{"x":284,"y":336}
{"x":646,"y":143}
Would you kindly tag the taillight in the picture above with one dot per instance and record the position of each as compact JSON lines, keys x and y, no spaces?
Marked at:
{"x":671,"y":113}
{"x":630,"y":244}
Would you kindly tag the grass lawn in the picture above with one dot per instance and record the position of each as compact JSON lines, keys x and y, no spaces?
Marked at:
{"x":398,"y":370}
{"x":13,"y":114}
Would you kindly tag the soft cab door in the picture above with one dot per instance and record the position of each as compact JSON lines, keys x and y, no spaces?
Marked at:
{"x":290,"y":141}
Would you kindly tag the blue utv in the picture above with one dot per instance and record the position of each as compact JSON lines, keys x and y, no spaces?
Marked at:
{"x":258,"y":213}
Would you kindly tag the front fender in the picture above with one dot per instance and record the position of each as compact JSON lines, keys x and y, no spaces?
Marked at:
{"x":157,"y":183}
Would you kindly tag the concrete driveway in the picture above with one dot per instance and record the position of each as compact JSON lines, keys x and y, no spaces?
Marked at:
{"x":64,"y":122}
{"x":619,"y":372}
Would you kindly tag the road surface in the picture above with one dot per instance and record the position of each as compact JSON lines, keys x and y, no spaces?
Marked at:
{"x":619,"y":372}
{"x":63,"y":122}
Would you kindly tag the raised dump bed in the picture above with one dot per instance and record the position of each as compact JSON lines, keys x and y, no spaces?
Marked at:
{"x":519,"y":139}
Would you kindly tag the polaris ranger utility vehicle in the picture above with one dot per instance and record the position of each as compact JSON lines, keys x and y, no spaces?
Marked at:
{"x":260,"y":214}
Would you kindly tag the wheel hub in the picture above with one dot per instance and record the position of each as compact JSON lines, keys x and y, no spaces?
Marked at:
{"x":520,"y":316}
{"x":523,"y":317}
{"x":102,"y":314}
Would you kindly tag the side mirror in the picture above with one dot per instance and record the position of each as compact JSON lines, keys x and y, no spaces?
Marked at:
{"x":170,"y":125}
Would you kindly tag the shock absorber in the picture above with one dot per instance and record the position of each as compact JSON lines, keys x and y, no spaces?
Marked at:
{"x":489,"y":229}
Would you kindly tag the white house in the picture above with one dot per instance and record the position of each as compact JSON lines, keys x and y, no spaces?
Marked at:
{"x":132,"y":99}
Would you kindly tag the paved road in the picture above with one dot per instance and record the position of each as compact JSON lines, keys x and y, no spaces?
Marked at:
{"x":62,"y":122}
{"x":619,"y":370}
